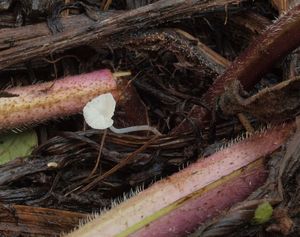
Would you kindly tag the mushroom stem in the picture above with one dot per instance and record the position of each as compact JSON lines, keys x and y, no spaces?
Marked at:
{"x":135,"y":129}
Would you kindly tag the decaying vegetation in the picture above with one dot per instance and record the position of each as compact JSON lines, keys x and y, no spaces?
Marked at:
{"x":218,"y":78}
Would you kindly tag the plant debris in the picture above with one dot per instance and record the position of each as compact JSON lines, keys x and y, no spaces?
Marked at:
{"x":206,"y":76}
{"x":277,"y":103}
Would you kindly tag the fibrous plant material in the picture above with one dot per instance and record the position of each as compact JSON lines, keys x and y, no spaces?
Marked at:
{"x":283,"y":5}
{"x":22,"y":106}
{"x":79,"y":30}
{"x":51,"y":9}
{"x":16,"y":220}
{"x":198,"y":56}
{"x":261,"y":55}
{"x":276,"y":103}
{"x":132,"y":4}
{"x":256,"y":60}
{"x":68,"y":161}
{"x":143,"y":213}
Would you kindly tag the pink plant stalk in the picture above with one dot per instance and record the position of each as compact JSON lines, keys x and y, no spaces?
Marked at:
{"x":63,"y":97}
{"x":177,"y":204}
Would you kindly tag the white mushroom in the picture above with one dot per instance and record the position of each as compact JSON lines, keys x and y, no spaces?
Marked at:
{"x":99,"y":111}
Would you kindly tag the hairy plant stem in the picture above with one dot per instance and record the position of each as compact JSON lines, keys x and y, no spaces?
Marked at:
{"x":274,"y":43}
{"x":261,"y":54}
{"x":40,"y":102}
{"x":177,"y":204}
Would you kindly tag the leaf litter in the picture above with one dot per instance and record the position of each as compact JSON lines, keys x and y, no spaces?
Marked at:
{"x":173,"y":63}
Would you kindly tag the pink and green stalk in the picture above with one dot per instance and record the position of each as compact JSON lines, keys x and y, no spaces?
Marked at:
{"x":56,"y":99}
{"x":178,"y":204}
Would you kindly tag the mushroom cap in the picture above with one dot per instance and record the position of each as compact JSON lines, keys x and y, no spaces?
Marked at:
{"x":99,"y":111}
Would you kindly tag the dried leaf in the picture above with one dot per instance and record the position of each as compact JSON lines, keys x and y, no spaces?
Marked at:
{"x":277,"y":103}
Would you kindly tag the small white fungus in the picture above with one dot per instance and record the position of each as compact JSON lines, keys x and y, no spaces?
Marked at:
{"x":99,"y":111}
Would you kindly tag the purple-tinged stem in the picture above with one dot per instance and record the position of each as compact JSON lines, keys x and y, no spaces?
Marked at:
{"x":275,"y":42}
{"x":210,"y":203}
{"x":156,"y":208}
{"x":50,"y":100}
